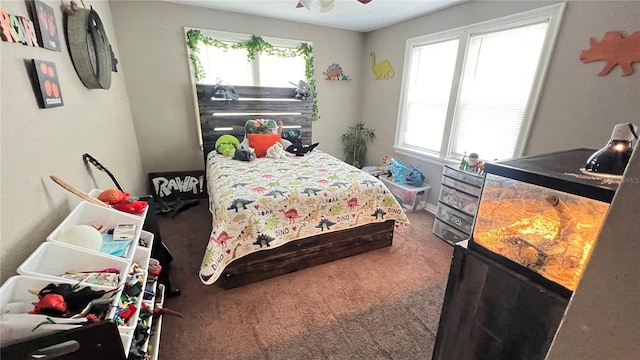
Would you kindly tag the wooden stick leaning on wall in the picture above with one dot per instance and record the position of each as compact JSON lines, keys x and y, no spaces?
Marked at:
{"x":75,"y":191}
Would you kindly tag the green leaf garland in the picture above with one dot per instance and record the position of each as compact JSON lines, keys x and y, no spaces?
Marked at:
{"x":255,"y":45}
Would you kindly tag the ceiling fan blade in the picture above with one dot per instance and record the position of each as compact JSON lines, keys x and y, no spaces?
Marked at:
{"x":304,"y":4}
{"x":325,"y":5}
{"x":364,"y":1}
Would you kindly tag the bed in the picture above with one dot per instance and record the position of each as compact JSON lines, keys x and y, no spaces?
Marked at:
{"x":275,"y":216}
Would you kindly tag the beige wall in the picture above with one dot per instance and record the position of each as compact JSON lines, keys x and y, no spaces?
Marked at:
{"x":152,"y":41}
{"x":603,"y":321}
{"x":36,"y":143}
{"x":577,"y":108}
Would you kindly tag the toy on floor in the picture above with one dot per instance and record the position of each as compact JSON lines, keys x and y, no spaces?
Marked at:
{"x":174,"y":207}
{"x":122,"y":201}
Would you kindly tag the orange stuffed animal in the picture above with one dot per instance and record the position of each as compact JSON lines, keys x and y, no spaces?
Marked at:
{"x":122,"y":201}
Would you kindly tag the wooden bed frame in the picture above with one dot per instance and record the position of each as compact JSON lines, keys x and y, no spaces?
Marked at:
{"x":219,"y":117}
{"x":305,"y":253}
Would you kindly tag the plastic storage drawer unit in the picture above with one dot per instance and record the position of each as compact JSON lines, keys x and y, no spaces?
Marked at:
{"x":464,"y":176}
{"x":448,"y":233}
{"x":459,"y":185}
{"x":457,"y":204}
{"x":455,"y":218}
{"x":458,"y":200}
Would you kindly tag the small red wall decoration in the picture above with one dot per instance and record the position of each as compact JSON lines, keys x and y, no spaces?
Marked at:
{"x":47,"y":76}
{"x":46,"y":25}
{"x":615,"y":49}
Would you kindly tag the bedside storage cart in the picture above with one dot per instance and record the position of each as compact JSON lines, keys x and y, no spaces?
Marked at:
{"x":457,"y":204}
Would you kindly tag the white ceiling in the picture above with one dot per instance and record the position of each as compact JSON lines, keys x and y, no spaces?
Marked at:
{"x":347,"y":14}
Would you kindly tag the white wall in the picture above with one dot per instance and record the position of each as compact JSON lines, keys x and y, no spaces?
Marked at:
{"x":152,"y":41}
{"x":36,"y":143}
{"x":577,"y":108}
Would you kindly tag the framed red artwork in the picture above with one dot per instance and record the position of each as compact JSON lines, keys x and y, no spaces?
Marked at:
{"x":46,"y":26}
{"x":48,"y":82}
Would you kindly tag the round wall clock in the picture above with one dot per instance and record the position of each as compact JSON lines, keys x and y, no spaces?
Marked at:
{"x":89,"y":48}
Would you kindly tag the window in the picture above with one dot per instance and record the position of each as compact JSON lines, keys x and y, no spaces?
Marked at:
{"x":232,"y":66}
{"x":474,"y":89}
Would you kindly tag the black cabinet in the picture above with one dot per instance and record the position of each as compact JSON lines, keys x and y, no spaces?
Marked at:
{"x":97,"y":341}
{"x":491,"y":312}
{"x":159,"y":250}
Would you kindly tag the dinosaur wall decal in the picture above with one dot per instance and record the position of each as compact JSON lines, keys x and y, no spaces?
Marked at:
{"x":381,"y":70}
{"x":615,"y":50}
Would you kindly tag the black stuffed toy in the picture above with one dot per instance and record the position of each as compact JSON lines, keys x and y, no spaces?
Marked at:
{"x":296,"y":147}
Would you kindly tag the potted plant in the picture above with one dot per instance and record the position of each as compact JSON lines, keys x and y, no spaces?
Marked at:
{"x":354,"y":143}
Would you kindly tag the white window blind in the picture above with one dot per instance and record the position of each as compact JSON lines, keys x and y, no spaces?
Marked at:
{"x":280,"y":72}
{"x":496,"y":83}
{"x":231,"y":66}
{"x":431,"y":76}
{"x":475,"y":88}
{"x":228,"y":65}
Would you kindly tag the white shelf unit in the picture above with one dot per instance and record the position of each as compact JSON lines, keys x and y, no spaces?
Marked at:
{"x":156,"y":328}
{"x":54,"y":257}
{"x":141,"y":257}
{"x":154,"y":325}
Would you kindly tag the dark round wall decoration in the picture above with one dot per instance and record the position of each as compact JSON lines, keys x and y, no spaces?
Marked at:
{"x":89,"y":48}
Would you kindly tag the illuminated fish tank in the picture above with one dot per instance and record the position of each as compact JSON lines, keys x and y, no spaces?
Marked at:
{"x":540,"y":215}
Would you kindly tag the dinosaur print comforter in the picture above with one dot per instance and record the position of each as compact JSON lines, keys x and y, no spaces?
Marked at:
{"x":266,"y":203}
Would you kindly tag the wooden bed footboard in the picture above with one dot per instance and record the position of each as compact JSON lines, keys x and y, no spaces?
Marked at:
{"x":305,"y":253}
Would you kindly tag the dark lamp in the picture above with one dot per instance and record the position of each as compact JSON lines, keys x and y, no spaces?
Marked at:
{"x":613,"y":158}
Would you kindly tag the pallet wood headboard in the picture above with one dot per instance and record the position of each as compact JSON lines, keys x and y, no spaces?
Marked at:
{"x":219,"y":116}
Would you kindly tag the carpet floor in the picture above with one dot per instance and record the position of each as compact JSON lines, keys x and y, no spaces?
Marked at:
{"x":384,"y":304}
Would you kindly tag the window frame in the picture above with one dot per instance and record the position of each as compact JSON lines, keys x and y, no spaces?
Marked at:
{"x":226,"y":36}
{"x":553,"y":14}
{"x":230,"y":37}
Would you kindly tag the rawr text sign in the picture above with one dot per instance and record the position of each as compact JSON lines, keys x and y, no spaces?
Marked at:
{"x":179,"y":184}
